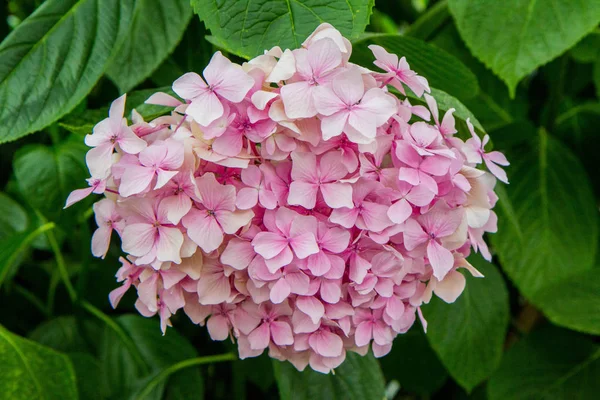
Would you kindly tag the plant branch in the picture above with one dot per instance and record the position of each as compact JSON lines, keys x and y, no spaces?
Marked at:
{"x":165,"y":373}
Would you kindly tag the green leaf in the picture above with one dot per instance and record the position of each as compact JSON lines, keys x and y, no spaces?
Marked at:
{"x":246,"y":28}
{"x":52,"y":60}
{"x":156,"y":28}
{"x":13,"y":218}
{"x":13,"y":246}
{"x":596,"y":77}
{"x":428,"y":23}
{"x":158,"y":352}
{"x":257,"y":370}
{"x":358,"y":378}
{"x":587,"y":49}
{"x":414,"y":364}
{"x":548,"y":364}
{"x":62,"y":334}
{"x":492,"y":105}
{"x":514,"y":37}
{"x":574,"y":302}
{"x":30,"y":371}
{"x":547,"y":217}
{"x":442,"y":70}
{"x":469,"y":334}
{"x":90,"y":383}
{"x":47,"y":175}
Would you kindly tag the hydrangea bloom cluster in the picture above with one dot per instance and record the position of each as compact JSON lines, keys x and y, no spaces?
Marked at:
{"x":293,"y":203}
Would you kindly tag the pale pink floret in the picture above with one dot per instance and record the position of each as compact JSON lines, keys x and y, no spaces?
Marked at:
{"x":256,"y":191}
{"x":107,"y":219}
{"x":309,"y":178}
{"x":207,"y":225}
{"x":160,"y":160}
{"x":97,"y":186}
{"x":315,"y":66}
{"x":149,"y":235}
{"x":106,"y":136}
{"x":346,"y":107}
{"x":399,"y":71}
{"x":288,"y":231}
{"x":224,"y":81}
{"x":474,"y":150}
{"x":431,"y":229}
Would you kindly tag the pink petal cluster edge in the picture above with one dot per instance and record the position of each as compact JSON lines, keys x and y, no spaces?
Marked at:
{"x":293,"y":203}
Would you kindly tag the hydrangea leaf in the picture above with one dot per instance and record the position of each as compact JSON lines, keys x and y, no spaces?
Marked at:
{"x":414,"y":364}
{"x":358,"y":378}
{"x":469,"y":334}
{"x":493,"y":106}
{"x":442,"y":70}
{"x":156,"y":28}
{"x":547,"y":217}
{"x":548,"y":364}
{"x":120,"y":368}
{"x":63,"y":334}
{"x":46,"y":175}
{"x":13,"y":217}
{"x":247,"y":28}
{"x":52,"y":60}
{"x":514,"y":37}
{"x":587,"y":49}
{"x":32,"y":371}
{"x":574,"y":302}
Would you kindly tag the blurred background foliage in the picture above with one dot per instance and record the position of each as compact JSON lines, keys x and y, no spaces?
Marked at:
{"x":527,"y":71}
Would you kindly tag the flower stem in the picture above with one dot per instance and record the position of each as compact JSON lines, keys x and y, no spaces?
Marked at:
{"x":165,"y":373}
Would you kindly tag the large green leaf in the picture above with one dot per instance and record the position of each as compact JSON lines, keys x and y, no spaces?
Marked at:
{"x":246,"y":28}
{"x":492,"y":106}
{"x":548,"y":364}
{"x":90,"y":383}
{"x":469,"y":334}
{"x":13,"y":218}
{"x":574,"y":302}
{"x":547,"y":217}
{"x":158,"y":352}
{"x":414,"y":364}
{"x":52,"y":60}
{"x":358,"y":378}
{"x":156,"y":28}
{"x":514,"y":37}
{"x":442,"y":70}
{"x":30,"y":371}
{"x":46,"y":175}
{"x":587,"y":49}
{"x":63,"y":334}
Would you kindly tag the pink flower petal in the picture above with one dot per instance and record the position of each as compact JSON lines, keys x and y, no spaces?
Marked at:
{"x":203,"y":229}
{"x":281,"y":332}
{"x":441,"y":259}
